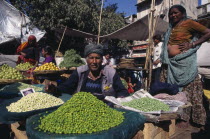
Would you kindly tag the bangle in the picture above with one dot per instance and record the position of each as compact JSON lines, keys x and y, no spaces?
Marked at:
{"x":193,"y":45}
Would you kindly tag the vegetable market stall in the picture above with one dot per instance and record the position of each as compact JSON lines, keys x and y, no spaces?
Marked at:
{"x":159,"y":124}
{"x":15,"y":108}
{"x":10,"y":75}
{"x":85,"y":117}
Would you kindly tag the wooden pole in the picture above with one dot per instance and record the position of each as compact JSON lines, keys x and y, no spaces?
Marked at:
{"x":148,"y":64}
{"x":99,"y":25}
{"x":61,"y":41}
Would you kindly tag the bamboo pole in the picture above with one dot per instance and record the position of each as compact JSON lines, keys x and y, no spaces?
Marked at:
{"x":148,"y":64}
{"x":61,"y":41}
{"x":99,"y":25}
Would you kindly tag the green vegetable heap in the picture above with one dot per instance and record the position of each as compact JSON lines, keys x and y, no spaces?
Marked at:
{"x":24,"y":66}
{"x":7,"y":72}
{"x":16,"y":87}
{"x":147,"y":104}
{"x":83,"y":113}
{"x":34,"y":101}
{"x":71,"y":59}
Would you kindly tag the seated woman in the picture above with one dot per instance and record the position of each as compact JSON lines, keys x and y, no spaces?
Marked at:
{"x":28,"y":51}
{"x":179,"y":62}
{"x":47,"y":52}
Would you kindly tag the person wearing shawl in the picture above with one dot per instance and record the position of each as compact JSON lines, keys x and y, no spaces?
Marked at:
{"x":100,"y":80}
{"x":28,"y":51}
{"x":179,"y":61}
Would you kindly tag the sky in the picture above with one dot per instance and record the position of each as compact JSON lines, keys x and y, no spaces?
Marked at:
{"x":126,"y":6}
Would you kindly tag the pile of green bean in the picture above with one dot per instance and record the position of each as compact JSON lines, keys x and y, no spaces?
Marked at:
{"x":147,"y":104}
{"x":34,"y":101}
{"x":82,"y":114}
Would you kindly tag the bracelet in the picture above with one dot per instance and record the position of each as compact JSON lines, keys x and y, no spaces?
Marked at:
{"x":193,"y":45}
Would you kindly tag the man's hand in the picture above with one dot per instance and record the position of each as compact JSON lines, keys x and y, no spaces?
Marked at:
{"x":52,"y":89}
{"x":156,"y":62}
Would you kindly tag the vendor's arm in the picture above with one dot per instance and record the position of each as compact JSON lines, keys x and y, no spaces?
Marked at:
{"x":119,"y":87}
{"x":156,"y":62}
{"x":70,"y":85}
{"x":23,"y":54}
{"x":197,"y":28}
{"x":204,"y":38}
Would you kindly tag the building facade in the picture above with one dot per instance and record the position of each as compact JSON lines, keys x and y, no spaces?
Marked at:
{"x":162,"y":7}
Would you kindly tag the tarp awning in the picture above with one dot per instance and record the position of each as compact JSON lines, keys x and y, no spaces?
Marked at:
{"x":15,"y":25}
{"x":137,"y":30}
{"x":74,"y":32}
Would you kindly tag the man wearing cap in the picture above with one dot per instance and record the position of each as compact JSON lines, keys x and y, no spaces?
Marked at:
{"x":100,"y":80}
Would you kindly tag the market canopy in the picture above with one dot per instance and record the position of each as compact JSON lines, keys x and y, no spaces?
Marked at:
{"x":137,"y":30}
{"x":15,"y":25}
{"x":74,"y":32}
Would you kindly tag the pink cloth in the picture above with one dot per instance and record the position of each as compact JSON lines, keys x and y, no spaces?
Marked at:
{"x":181,"y":96}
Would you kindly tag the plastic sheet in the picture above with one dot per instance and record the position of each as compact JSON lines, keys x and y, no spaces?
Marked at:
{"x":6,"y":92}
{"x":6,"y":98}
{"x":132,"y":124}
{"x":14,"y":23}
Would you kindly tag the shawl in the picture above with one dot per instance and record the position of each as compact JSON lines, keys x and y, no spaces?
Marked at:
{"x":182,"y":68}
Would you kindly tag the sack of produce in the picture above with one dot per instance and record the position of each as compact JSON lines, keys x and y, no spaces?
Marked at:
{"x":84,"y":116}
{"x":20,"y":108}
{"x":141,"y":101}
{"x":71,"y":59}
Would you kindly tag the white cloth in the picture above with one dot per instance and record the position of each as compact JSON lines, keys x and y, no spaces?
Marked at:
{"x":156,"y":54}
{"x":9,"y":60}
{"x":204,"y":72}
{"x":203,"y":57}
{"x":107,"y":62}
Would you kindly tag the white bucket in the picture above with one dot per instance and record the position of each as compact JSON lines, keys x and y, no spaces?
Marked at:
{"x":58,"y":60}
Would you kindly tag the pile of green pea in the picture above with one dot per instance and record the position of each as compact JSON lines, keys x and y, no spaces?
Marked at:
{"x":24,"y":66}
{"x":82,"y":114}
{"x":7,"y":72}
{"x":146,"y":104}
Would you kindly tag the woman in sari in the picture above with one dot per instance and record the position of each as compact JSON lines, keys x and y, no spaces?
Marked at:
{"x":180,"y":65}
{"x":28,"y":51}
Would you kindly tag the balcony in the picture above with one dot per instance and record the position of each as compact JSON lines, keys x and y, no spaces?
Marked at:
{"x":204,"y":10}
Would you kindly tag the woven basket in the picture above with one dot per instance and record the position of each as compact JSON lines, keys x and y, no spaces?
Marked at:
{"x":126,"y":63}
{"x":49,"y":72}
{"x":8,"y":81}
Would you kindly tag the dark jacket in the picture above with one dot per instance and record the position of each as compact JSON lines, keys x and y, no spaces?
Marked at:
{"x":111,"y":83}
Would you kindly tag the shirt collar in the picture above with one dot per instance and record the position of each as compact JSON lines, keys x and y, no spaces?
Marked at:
{"x":90,"y":75}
